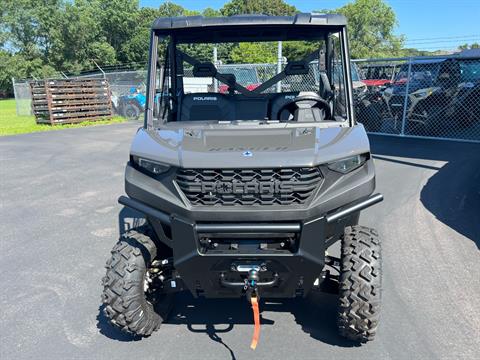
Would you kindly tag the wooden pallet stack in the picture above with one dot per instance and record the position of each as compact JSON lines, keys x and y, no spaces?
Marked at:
{"x":69,"y":101}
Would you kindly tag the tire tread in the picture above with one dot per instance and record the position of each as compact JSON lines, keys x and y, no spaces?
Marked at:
{"x":123,"y":297}
{"x":360,"y":284}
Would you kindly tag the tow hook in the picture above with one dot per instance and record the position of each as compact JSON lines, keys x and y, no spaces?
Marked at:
{"x":251,"y":284}
{"x":252,"y":295}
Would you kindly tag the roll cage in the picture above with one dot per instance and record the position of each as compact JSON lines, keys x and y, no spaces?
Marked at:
{"x":244,"y":28}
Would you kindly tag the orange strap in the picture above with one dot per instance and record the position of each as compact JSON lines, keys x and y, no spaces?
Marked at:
{"x":256,"y":318}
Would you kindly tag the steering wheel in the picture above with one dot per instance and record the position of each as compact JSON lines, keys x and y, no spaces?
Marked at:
{"x":318,"y":101}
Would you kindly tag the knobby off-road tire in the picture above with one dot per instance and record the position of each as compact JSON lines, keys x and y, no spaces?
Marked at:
{"x":131,"y":111}
{"x":126,"y":305}
{"x":360,"y":284}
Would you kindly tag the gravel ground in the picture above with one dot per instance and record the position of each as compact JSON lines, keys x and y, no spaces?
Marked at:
{"x":60,"y":220}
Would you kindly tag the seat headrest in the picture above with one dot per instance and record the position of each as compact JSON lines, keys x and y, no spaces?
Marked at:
{"x":296,"y":68}
{"x":206,"y":69}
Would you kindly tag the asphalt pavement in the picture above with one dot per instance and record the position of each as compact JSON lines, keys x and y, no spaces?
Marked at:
{"x":60,"y":218}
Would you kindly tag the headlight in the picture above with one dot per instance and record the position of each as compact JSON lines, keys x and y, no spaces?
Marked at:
{"x":151,"y":166}
{"x":422,"y":94}
{"x":360,"y":90}
{"x":388,"y":92}
{"x":425,"y":92}
{"x":348,"y":164}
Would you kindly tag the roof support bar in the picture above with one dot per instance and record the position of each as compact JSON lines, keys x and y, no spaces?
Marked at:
{"x":220,"y":77}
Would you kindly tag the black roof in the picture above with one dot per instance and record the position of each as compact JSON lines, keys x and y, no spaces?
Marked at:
{"x":470,"y":53}
{"x":302,"y":19}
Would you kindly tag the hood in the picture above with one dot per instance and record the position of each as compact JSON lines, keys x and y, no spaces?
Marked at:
{"x":235,"y":147}
{"x":358,"y":84}
{"x":399,"y":86}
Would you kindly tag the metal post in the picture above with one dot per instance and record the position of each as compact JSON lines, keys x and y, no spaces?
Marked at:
{"x":405,"y":102}
{"x":103,"y":72}
{"x":279,"y":65}
{"x":215,"y":62}
{"x":15,"y":95}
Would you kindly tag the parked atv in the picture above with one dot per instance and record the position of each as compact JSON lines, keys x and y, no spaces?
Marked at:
{"x":244,"y":191}
{"x":441,"y":95}
{"x":379,"y":75}
{"x":130,"y":106}
{"x":370,"y":108}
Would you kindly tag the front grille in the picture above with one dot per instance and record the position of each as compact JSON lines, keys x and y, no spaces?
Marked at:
{"x":280,"y":186}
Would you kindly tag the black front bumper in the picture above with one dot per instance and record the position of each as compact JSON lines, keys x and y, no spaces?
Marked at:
{"x":210,"y":271}
{"x":207,"y":273}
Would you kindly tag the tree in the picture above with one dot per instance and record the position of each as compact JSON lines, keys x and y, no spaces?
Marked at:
{"x":170,"y":9}
{"x":30,"y":27}
{"x":8,"y":69}
{"x":18,"y":67}
{"x":209,"y":12}
{"x":297,"y":50}
{"x":255,"y":53}
{"x":471,"y":46}
{"x":370,"y":26}
{"x":81,"y":42}
{"x":116,"y":19}
{"x":266,"y":7}
{"x":135,"y":50}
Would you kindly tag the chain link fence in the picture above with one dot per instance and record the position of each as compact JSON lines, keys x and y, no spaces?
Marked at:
{"x":23,"y":97}
{"x":434,"y":97}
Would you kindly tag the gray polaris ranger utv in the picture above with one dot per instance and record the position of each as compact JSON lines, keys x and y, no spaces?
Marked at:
{"x":244,"y":188}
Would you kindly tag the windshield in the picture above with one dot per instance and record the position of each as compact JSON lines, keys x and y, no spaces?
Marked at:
{"x":419,"y":72}
{"x":470,"y":70}
{"x":379,"y":72}
{"x":242,"y":81}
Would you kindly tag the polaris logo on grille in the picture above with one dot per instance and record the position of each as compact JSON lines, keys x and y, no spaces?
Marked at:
{"x":204,"y":98}
{"x":250,"y":187}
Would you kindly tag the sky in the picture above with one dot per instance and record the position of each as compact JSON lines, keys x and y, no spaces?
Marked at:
{"x":426,"y":24}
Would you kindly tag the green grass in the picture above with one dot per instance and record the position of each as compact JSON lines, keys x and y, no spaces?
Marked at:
{"x":11,"y":124}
